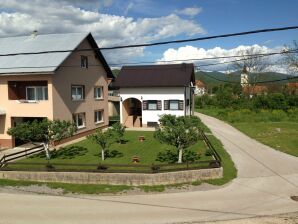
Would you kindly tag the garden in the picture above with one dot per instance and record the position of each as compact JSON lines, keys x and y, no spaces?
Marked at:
{"x":178,"y":145}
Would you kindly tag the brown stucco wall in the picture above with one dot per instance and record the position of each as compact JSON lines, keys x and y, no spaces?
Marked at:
{"x":73,"y":74}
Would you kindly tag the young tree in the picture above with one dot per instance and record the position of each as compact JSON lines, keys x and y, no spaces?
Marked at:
{"x":180,"y":132}
{"x":118,"y":131}
{"x":46,"y":131}
{"x":104,"y":139}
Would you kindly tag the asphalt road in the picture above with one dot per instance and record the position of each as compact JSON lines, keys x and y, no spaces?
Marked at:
{"x":266,"y":180}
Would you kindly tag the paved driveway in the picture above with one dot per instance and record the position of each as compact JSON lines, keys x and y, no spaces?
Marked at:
{"x":266,"y":180}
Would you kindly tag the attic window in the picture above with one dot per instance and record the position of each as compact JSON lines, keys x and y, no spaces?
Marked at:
{"x":84,"y":61}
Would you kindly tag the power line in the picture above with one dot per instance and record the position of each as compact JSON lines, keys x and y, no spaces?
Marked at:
{"x":259,"y":82}
{"x":159,"y":43}
{"x":203,"y":38}
{"x":249,"y":56}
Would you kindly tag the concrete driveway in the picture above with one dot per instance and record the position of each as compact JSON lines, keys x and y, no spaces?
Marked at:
{"x":266,"y":180}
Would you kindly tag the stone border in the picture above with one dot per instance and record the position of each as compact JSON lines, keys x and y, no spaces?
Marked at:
{"x":134,"y":179}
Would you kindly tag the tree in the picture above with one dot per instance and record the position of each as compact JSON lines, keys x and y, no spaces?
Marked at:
{"x":118,"y":131}
{"x":224,"y":96}
{"x":47,"y":131}
{"x":180,"y":132}
{"x":104,"y":139}
{"x":254,"y":65}
{"x":291,"y":57}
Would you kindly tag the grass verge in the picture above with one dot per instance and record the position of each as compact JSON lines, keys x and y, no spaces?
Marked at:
{"x":276,"y":129}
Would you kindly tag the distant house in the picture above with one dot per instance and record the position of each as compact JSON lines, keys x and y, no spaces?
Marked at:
{"x":255,"y":90}
{"x":66,"y":85}
{"x":292,"y":88}
{"x":146,"y":92}
{"x":200,"y":88}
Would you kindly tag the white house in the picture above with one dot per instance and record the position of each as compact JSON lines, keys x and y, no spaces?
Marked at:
{"x":146,"y":92}
{"x":200,"y":88}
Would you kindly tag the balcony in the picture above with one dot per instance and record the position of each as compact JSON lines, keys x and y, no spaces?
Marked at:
{"x":28,"y":91}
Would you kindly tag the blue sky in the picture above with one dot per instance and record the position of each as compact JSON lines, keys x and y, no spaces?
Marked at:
{"x":116,"y":22}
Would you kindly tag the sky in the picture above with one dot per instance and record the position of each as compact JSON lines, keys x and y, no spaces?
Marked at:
{"x":118,"y":22}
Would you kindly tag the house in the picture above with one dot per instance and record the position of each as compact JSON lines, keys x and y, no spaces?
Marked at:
{"x":66,"y":85}
{"x":255,"y":90}
{"x":292,"y":88}
{"x":200,"y":88}
{"x":146,"y":92}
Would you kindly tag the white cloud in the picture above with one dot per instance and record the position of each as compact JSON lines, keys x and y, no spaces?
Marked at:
{"x":21,"y":17}
{"x":190,"y":52}
{"x":190,"y":11}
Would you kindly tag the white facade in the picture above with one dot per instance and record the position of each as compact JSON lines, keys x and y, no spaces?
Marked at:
{"x":157,"y":93}
{"x":244,"y":79}
{"x":200,"y":91}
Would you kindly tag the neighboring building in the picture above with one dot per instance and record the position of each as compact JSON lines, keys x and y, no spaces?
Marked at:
{"x":255,"y":90}
{"x":146,"y":92}
{"x":114,"y":101}
{"x":244,"y":77}
{"x":65,"y":85}
{"x":292,"y":88}
{"x":200,"y":88}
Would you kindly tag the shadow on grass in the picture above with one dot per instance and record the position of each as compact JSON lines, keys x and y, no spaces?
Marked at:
{"x":110,"y":154}
{"x":65,"y":153}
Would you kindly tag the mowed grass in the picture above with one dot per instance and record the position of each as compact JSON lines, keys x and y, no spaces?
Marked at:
{"x":87,"y":152}
{"x":280,"y":135}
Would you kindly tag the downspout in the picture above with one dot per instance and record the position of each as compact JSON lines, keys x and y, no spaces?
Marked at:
{"x":184,"y":100}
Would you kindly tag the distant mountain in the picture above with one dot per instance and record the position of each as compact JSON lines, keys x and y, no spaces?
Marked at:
{"x":214,"y":78}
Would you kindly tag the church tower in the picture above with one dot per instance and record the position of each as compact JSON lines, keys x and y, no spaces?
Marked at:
{"x":244,"y":77}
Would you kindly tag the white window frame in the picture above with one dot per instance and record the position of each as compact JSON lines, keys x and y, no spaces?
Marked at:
{"x":44,"y":91}
{"x":155,"y":102}
{"x":96,"y":92}
{"x":96,"y":121}
{"x":76,"y":120}
{"x":170,"y":104}
{"x":77,"y":87}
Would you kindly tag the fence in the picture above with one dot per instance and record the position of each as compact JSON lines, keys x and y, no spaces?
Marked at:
{"x":215,"y":162}
{"x":27,"y":152}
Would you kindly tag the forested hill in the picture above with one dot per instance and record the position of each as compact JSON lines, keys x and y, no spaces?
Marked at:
{"x":212,"y":78}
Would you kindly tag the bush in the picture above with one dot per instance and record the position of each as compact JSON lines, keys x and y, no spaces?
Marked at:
{"x":277,"y":115}
{"x":277,"y":101}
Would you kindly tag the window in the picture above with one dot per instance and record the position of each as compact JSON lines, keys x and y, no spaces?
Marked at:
{"x":152,"y":105}
{"x":37,"y":93}
{"x":84,"y":62}
{"x":98,"y":116}
{"x":77,"y":92}
{"x":98,"y":92}
{"x":79,"y":120}
{"x":173,"y":104}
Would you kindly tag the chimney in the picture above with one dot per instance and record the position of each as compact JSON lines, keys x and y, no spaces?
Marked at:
{"x":34,"y":33}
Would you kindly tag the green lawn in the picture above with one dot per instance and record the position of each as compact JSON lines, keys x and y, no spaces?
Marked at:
{"x":87,"y":152}
{"x":270,"y":128}
{"x":282,"y":136}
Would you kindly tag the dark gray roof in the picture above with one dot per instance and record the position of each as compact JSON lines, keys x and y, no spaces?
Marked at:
{"x":172,"y":75}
